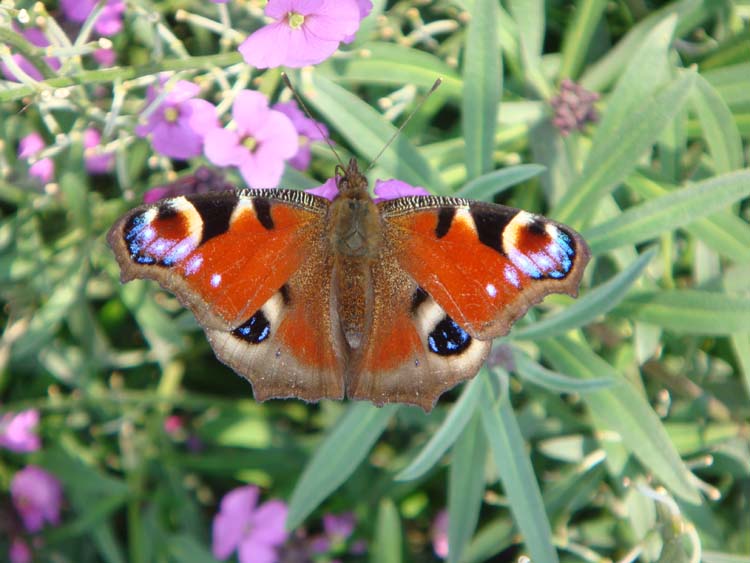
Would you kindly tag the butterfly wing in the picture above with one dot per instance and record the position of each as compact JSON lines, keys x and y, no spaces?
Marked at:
{"x":255,"y":269}
{"x":461,"y":272}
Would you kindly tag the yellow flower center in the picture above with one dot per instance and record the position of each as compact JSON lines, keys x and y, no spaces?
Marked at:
{"x":295,"y":20}
{"x":171,"y":114}
{"x":249,"y":143}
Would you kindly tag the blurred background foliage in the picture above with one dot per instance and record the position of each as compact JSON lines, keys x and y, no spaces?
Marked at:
{"x":614,"y":427}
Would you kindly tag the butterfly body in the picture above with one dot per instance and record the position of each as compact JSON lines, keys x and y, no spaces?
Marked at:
{"x":390,"y":301}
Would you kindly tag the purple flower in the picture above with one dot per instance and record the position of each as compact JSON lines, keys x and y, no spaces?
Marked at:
{"x":109,"y":21}
{"x":35,"y":37}
{"x":19,"y":552}
{"x":339,"y":527}
{"x":384,"y":189}
{"x":202,"y":181}
{"x":574,"y":107}
{"x":180,"y":123}
{"x":365,"y":7}
{"x":254,"y":531}
{"x":105,"y":57}
{"x":305,"y":32}
{"x":260,"y":143}
{"x":391,"y":189}
{"x":96,"y":162}
{"x":30,"y":145}
{"x":37,"y":496}
{"x":440,"y":534}
{"x":17,"y":431}
{"x":307,"y":129}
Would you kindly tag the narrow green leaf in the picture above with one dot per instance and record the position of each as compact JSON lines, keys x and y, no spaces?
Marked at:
{"x":724,"y":232}
{"x":369,"y":132}
{"x":578,"y":34}
{"x":529,"y":18}
{"x":531,"y":371}
{"x":465,"y":487}
{"x":337,"y":457}
{"x":184,"y":548}
{"x":645,"y":73}
{"x":620,"y":152}
{"x":675,"y":209}
{"x":446,"y":435}
{"x":387,"y":547}
{"x":517,"y":475}
{"x":596,"y":302}
{"x":623,"y":410}
{"x":394,"y":65}
{"x":719,"y":128}
{"x":730,"y":83}
{"x":482,"y":75}
{"x":489,"y":185}
{"x":490,"y":540}
{"x":689,"y":311}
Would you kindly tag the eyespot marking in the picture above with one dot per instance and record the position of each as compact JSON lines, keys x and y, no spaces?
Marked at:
{"x":255,"y":330}
{"x":448,"y":339}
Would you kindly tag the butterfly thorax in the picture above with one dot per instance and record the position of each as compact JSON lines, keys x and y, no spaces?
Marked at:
{"x":355,"y":236}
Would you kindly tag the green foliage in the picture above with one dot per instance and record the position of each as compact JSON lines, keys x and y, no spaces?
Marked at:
{"x":611,"y":427}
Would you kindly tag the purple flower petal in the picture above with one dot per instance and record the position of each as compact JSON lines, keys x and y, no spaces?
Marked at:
{"x":327,"y":190}
{"x":261,"y":175}
{"x":37,"y":496}
{"x":19,"y":552}
{"x":391,"y":189}
{"x":176,"y":140}
{"x":267,"y":47}
{"x":222,"y":147}
{"x":440,"y":534}
{"x":277,"y":137}
{"x":334,"y":20}
{"x":17,"y":431}
{"x":109,"y":21}
{"x":254,"y":551}
{"x":249,"y":110}
{"x":200,"y":116}
{"x":269,"y":522}
{"x":339,"y":526}
{"x":96,"y":163}
{"x":30,"y":145}
{"x":230,"y":524}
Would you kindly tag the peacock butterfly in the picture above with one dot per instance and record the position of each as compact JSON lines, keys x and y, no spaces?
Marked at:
{"x":390,"y":301}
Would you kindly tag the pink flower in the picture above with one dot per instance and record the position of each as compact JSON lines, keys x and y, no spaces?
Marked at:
{"x":19,"y":552}
{"x":202,"y":181}
{"x":339,"y":527}
{"x":180,"y":123}
{"x":365,"y":7}
{"x":96,"y":163}
{"x":262,"y":140}
{"x":37,"y":496}
{"x":384,"y":190}
{"x":30,"y":145}
{"x":17,"y":431}
{"x":109,"y":21}
{"x":105,"y":57}
{"x":391,"y":189}
{"x":254,"y":531}
{"x":305,"y":32}
{"x":440,"y":534}
{"x":35,"y":37}
{"x":307,"y":129}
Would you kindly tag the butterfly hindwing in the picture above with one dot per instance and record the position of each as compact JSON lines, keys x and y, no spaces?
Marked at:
{"x":242,"y":262}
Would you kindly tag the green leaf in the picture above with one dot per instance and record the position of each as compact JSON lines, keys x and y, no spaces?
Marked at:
{"x":724,"y":232}
{"x":482,"y":76}
{"x":446,"y":435}
{"x":531,"y":371}
{"x":689,"y":311}
{"x":578,"y":35}
{"x":488,"y":185}
{"x":517,"y":475}
{"x":730,"y":83}
{"x":675,"y":209}
{"x":387,"y":547}
{"x":465,"y":487}
{"x":596,"y":302}
{"x":719,"y":128}
{"x":529,"y":17}
{"x":337,"y":457}
{"x":394,"y":65}
{"x":623,"y":410}
{"x":619,"y":153}
{"x":367,"y":131}
{"x":184,"y":548}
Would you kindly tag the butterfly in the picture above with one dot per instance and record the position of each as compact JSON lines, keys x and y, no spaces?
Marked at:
{"x":306,"y":297}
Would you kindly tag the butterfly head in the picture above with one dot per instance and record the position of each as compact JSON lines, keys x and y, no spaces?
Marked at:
{"x":350,"y":182}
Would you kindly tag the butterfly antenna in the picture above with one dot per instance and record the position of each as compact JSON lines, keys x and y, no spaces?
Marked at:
{"x":437,"y":83}
{"x":288,"y":83}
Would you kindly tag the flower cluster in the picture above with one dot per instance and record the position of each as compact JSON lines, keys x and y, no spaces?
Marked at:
{"x":36,"y":493}
{"x":574,"y":107}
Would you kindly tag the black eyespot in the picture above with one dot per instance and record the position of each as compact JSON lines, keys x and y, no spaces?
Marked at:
{"x":448,"y":339}
{"x":255,"y":330}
